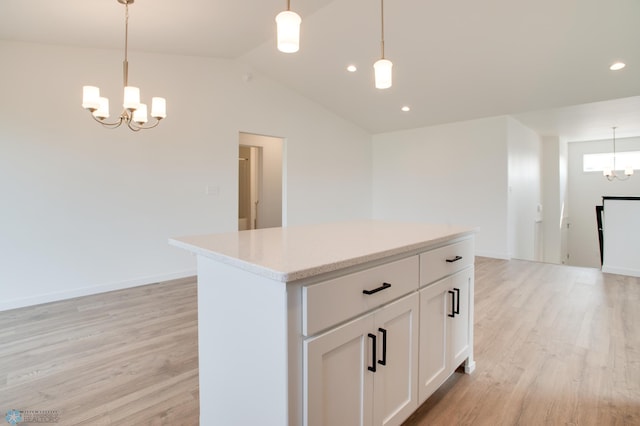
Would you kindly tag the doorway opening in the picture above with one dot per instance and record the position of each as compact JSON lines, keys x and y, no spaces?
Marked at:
{"x":260,"y":183}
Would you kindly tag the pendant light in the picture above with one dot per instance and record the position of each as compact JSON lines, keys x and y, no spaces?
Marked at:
{"x":288,"y":30}
{"x":134,"y":114}
{"x":382,"y":67}
{"x":610,"y":174}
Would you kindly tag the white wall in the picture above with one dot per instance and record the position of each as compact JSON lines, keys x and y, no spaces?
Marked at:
{"x":586,"y":191}
{"x":87,"y":209}
{"x":551,"y":199}
{"x":621,"y":226}
{"x":525,"y":213}
{"x":452,"y":173}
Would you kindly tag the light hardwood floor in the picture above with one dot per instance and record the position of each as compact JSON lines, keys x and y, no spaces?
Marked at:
{"x":555,"y":345}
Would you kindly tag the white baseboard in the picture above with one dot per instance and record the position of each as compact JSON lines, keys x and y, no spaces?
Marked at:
{"x":621,"y":271}
{"x":38,"y":299}
{"x":493,"y":255}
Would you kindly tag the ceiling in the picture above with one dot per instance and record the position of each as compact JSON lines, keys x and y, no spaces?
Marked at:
{"x":545,"y":62}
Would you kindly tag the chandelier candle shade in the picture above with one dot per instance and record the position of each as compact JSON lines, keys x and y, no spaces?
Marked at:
{"x":382,"y":67}
{"x":610,"y":174}
{"x":288,"y":30}
{"x":134,"y":114}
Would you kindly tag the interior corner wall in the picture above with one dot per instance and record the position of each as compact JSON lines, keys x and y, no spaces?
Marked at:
{"x":452,"y":173}
{"x":524,"y":192}
{"x":87,"y":209}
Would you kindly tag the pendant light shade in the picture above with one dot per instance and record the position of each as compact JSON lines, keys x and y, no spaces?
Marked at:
{"x":288,"y":30}
{"x":382,"y":68}
{"x":383,"y":74}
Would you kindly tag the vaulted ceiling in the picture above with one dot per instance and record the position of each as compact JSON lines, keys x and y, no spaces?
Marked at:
{"x":546,"y":62}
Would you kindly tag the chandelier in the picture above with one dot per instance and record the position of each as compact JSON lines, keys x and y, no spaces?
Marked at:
{"x":134,"y":114}
{"x":382,"y":67}
{"x":610,"y":174}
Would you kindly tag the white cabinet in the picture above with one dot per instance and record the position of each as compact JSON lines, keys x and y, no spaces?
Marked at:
{"x":445,"y":329}
{"x":295,"y":319}
{"x":364,"y":372}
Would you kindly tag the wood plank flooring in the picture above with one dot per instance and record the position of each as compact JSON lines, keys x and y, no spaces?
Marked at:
{"x":128,"y":357}
{"x":555,"y":345}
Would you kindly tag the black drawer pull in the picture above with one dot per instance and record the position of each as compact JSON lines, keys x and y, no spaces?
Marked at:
{"x":383,"y":361}
{"x":457,"y":311}
{"x":375,"y":290}
{"x":373,"y":352}
{"x":453,"y":304}
{"x":455,"y":259}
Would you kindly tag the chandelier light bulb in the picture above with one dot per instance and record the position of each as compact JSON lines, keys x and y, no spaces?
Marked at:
{"x":90,"y":98}
{"x":158,"y":108}
{"x":131,"y":98}
{"x":103,"y":110}
{"x":288,"y":31}
{"x":140,"y":114}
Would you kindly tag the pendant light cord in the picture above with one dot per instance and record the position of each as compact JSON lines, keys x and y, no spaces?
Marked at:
{"x":382,"y":26}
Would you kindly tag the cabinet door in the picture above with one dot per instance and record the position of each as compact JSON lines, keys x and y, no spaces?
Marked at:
{"x":395,"y":386}
{"x":433,"y":366}
{"x":445,"y":329}
{"x":338,"y":386}
{"x":460,"y":329}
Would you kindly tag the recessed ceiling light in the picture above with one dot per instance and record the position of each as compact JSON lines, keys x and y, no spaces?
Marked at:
{"x":352,"y":68}
{"x":406,"y":108}
{"x":617,"y":66}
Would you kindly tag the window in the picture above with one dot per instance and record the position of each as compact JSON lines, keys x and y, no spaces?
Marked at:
{"x":602,"y":161}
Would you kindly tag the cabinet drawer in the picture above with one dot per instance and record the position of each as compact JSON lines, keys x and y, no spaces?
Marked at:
{"x":330,"y":302}
{"x":444,"y":261}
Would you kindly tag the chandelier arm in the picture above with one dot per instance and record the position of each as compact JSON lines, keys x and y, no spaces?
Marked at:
{"x":137,"y":127}
{"x":134,"y":128}
{"x":112,"y":125}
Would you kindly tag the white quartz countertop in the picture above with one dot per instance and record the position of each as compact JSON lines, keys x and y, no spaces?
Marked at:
{"x":297,"y":252}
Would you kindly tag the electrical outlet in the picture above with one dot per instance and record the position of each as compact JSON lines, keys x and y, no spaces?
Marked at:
{"x":213,"y":190}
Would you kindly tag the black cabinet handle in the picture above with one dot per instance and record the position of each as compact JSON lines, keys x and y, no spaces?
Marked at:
{"x":457,"y":311}
{"x":455,"y":259}
{"x":383,"y":361}
{"x":453,"y":304}
{"x":373,"y":353}
{"x":375,"y":290}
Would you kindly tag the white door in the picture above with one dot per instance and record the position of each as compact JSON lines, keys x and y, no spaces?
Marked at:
{"x":395,"y":385}
{"x":338,"y":384}
{"x":433,"y":368}
{"x":459,"y":330}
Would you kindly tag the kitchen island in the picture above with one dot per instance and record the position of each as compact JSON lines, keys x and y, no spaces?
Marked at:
{"x":347,"y":323}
